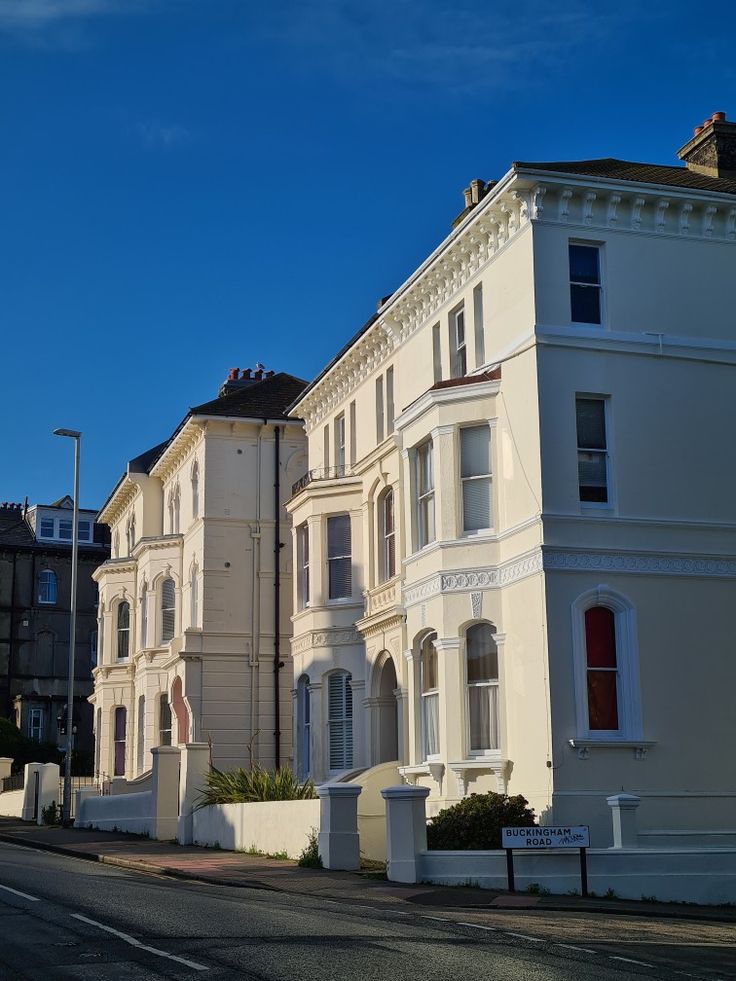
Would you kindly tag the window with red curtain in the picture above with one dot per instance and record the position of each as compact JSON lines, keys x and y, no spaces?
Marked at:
{"x":602,"y":669}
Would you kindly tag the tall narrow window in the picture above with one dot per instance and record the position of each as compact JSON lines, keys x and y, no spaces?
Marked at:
{"x":437,"y":353}
{"x":592,"y":450}
{"x":65,"y":529}
{"x":123,"y":630}
{"x":195,"y":490}
{"x":389,"y":400}
{"x":120,"y":717}
{"x":602,"y":669}
{"x":84,"y":530}
{"x":430,"y":697}
{"x":164,"y":720}
{"x":340,"y":721}
{"x":47,"y":587}
{"x":100,"y":634}
{"x":168,"y":610}
{"x":35,"y":725}
{"x":303,"y":727}
{"x":340,"y":445}
{"x":194,"y":596}
{"x":339,"y":557}
{"x":424,"y":480}
{"x":353,"y":435}
{"x":177,"y":510}
{"x":326,"y":450}
{"x":302,"y":561}
{"x":475,"y":475}
{"x":479,"y":327}
{"x":585,"y":284}
{"x":171,"y":514}
{"x":380,"y":429}
{"x":93,"y":649}
{"x":144,"y":615}
{"x":47,"y":528}
{"x":482,"y":677}
{"x":459,"y":359}
{"x":131,"y":535}
{"x":388,"y":537}
{"x":140,"y":743}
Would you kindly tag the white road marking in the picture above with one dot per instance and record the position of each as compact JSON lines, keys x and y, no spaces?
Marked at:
{"x":480,"y":926}
{"x":439,"y":919}
{"x":585,"y":950}
{"x":23,"y":895}
{"x":141,"y":946}
{"x":628,"y":960}
{"x":523,"y":936}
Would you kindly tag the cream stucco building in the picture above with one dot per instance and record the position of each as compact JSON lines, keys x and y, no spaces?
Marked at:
{"x":515,"y":542}
{"x":195,"y":601}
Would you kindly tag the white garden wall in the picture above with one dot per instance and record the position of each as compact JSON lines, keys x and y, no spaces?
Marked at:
{"x":126,"y":812}
{"x":269,"y":827}
{"x":11,"y":803}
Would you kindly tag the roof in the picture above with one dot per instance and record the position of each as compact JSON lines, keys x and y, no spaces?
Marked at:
{"x":14,"y":529}
{"x":642,"y":173}
{"x":146,"y":460}
{"x":266,"y":399}
{"x":484,"y":376}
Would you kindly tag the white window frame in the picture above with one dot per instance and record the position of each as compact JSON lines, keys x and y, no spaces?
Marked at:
{"x":380,"y":411}
{"x":123,"y":630}
{"x":302,"y":564}
{"x":606,"y":400}
{"x":424,"y":499}
{"x":458,"y":344}
{"x":334,"y":558}
{"x":424,"y":696}
{"x":140,"y":747}
{"x":340,"y":444}
{"x":45,"y":587}
{"x":627,"y":662}
{"x":343,"y":720}
{"x":437,"y":352}
{"x":194,"y":596}
{"x":387,"y":538}
{"x":42,"y":533}
{"x":353,"y":434}
{"x":390,"y":410}
{"x":195,"y":490}
{"x":93,"y":647}
{"x":479,"y":325}
{"x":88,"y":525}
{"x":35,"y":714}
{"x":145,"y":592}
{"x":162,"y":609}
{"x":482,"y":753}
{"x":598,"y":246}
{"x":486,"y":477}
{"x":303,"y":728}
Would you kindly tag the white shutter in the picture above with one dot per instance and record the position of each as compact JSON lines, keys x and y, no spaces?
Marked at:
{"x":476,"y":504}
{"x":475,"y":451}
{"x":339,"y":557}
{"x":340,"y":721}
{"x":475,"y":469}
{"x":168,"y":610}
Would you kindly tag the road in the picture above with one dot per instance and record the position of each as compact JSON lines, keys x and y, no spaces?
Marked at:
{"x":67,"y":918}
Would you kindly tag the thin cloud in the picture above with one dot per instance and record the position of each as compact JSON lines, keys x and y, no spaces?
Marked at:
{"x":47,"y":21}
{"x":155,"y":134}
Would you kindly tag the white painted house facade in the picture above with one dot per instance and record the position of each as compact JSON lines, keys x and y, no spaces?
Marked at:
{"x":196,"y":598}
{"x":515,"y":546}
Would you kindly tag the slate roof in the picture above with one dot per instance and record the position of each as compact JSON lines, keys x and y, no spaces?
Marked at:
{"x":144,"y":462}
{"x":642,"y":173}
{"x":265,"y":399}
{"x":14,"y":529}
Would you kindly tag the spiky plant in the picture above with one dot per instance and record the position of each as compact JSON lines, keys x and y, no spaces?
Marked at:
{"x":241,"y":786}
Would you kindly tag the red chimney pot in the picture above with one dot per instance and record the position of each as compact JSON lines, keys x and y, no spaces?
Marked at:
{"x":258,"y":374}
{"x":719,"y":117}
{"x":233,"y":374}
{"x":246,"y":373}
{"x":698,"y":129}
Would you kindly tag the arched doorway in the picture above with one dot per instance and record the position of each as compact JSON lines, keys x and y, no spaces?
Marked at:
{"x":385,"y":712}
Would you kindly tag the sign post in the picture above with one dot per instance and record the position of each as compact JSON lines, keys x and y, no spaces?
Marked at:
{"x":540,"y":839}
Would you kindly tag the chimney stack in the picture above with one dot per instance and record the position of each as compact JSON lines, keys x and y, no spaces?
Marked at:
{"x":712,"y":149}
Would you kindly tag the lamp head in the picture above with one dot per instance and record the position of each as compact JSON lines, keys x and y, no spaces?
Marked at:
{"x":67,"y":432}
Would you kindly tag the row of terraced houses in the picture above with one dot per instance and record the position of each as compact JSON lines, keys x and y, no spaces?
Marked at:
{"x":492,"y":544}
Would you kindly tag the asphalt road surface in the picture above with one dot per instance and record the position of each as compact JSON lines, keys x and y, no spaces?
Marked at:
{"x":67,"y":918}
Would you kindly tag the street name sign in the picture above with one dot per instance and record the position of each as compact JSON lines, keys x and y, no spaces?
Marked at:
{"x":576,"y":836}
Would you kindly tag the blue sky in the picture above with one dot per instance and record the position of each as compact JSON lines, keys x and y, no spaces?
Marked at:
{"x":190,"y":185}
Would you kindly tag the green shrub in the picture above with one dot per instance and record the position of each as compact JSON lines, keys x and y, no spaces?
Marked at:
{"x":51,"y":814}
{"x":475,"y":823}
{"x":310,"y":857}
{"x":249,"y":786}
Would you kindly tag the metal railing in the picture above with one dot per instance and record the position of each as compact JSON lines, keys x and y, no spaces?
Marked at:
{"x":77,"y":783}
{"x":16,"y":781}
{"x":319,"y":473}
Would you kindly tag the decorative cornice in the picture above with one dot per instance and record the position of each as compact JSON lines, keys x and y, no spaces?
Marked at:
{"x":644,"y":563}
{"x":156,"y":543}
{"x":472,"y":580}
{"x":178,"y":449}
{"x":331,"y":637}
{"x":114,"y":566}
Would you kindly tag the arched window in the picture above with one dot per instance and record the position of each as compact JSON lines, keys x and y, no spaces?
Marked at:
{"x":141,"y":734}
{"x":119,"y":742}
{"x":481,"y":658}
{"x":194,"y":596}
{"x":195,"y":490}
{"x":168,"y":610}
{"x":430,"y":697}
{"x":47,"y":587}
{"x":164,"y":720}
{"x":303,"y":727}
{"x":387,"y":531}
{"x":606,"y":666}
{"x":340,"y":720}
{"x":123,"y":630}
{"x":144,"y":614}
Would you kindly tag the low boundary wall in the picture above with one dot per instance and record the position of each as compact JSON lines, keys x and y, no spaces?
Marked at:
{"x":270,"y":827}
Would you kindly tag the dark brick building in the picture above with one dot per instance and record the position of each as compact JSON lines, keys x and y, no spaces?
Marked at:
{"x":35,"y":598}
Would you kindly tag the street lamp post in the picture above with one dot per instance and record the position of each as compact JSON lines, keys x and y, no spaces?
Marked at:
{"x":67,"y":803}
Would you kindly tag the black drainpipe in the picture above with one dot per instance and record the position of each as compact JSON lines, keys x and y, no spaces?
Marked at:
{"x":277,"y":663}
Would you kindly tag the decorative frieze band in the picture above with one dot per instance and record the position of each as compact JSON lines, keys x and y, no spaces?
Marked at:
{"x":650,"y":563}
{"x":472,"y":580}
{"x":325,"y":638}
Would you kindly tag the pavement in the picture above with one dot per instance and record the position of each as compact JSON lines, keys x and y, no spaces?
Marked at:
{"x":222,"y":868}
